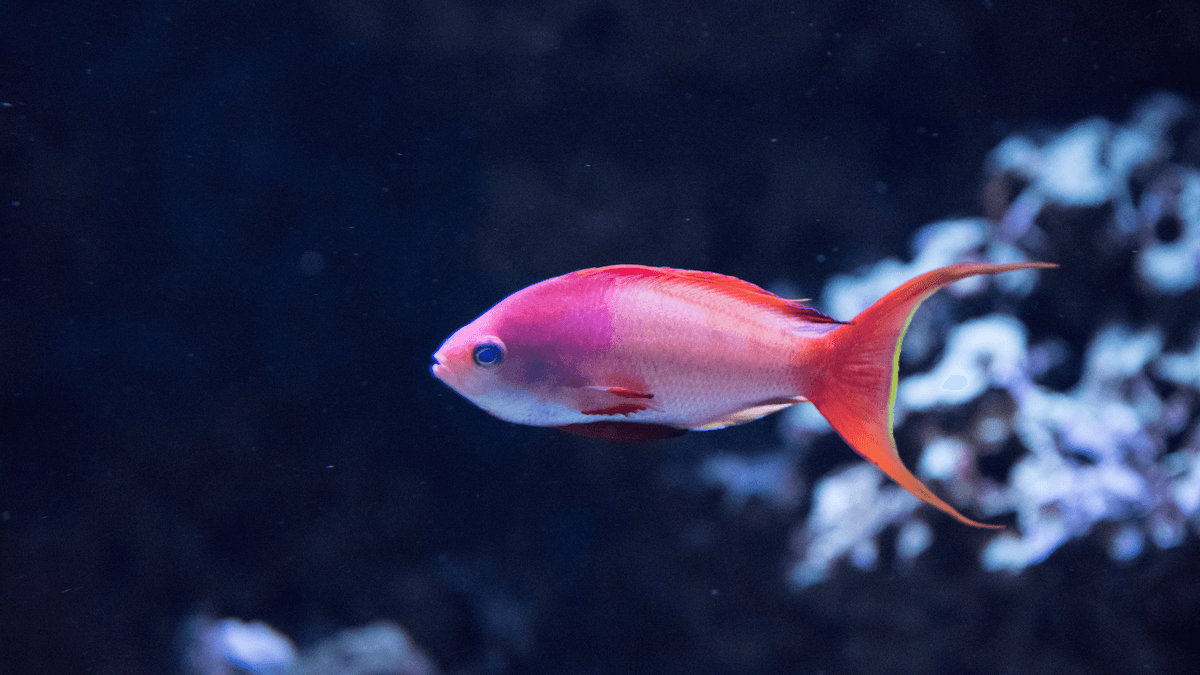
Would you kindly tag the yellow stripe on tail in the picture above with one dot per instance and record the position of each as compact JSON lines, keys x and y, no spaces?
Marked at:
{"x":854,"y":384}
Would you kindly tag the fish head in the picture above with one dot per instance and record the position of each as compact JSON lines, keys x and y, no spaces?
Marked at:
{"x":472,"y":363}
{"x":528,"y":358}
{"x":501,"y":366}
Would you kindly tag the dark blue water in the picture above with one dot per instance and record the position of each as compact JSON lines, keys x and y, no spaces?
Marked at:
{"x":232,"y":234}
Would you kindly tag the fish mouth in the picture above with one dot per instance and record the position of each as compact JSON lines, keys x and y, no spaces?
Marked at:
{"x":439,"y":369}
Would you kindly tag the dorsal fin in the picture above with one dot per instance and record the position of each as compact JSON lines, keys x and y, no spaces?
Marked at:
{"x":711,"y":281}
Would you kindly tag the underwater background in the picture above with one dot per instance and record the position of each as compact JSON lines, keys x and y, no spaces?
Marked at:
{"x":233,"y":233}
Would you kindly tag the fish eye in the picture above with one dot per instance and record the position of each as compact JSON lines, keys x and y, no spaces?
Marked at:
{"x":489,"y":353}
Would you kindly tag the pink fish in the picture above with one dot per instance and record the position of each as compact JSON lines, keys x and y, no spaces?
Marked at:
{"x":633,"y":353}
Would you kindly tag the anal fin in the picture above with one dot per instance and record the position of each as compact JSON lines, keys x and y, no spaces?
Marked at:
{"x":617,"y":409}
{"x":629,"y":432}
{"x":752,"y":412}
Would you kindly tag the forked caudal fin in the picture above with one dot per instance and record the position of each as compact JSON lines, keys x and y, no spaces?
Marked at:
{"x":854,"y":384}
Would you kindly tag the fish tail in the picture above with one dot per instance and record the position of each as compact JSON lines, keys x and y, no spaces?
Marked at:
{"x":854,"y":381}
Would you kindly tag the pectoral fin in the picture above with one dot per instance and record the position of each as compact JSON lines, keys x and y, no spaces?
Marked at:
{"x":621,"y":392}
{"x":600,"y":400}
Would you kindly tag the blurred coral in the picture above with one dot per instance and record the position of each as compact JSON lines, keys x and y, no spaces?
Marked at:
{"x":232,"y":646}
{"x":1103,"y":456}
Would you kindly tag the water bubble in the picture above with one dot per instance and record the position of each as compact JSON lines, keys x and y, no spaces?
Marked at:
{"x":311,"y":263}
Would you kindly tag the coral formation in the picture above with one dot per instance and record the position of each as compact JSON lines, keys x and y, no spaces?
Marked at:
{"x":1116,"y":453}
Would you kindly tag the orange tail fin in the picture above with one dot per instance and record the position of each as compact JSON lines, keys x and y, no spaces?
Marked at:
{"x":855,"y":382}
